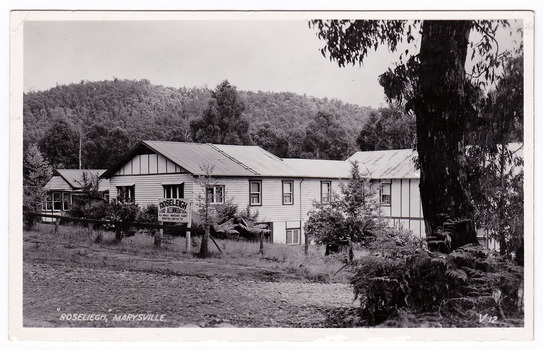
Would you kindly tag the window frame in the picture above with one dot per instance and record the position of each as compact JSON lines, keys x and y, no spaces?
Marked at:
{"x":258,"y":194}
{"x":65,"y":195}
{"x":131,"y":191}
{"x":298,"y":235}
{"x":49,"y":201}
{"x":168,"y":191}
{"x":385,"y":203}
{"x":291,"y":193}
{"x":55,"y":201}
{"x":63,"y":201}
{"x":213,"y":198}
{"x":329,"y":183}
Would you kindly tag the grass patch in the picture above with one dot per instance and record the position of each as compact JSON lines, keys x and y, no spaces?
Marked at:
{"x":278,"y":259}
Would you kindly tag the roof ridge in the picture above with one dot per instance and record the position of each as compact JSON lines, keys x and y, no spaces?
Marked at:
{"x":233,"y":159}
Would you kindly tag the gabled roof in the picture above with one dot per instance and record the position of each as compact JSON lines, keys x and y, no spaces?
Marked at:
{"x":389,"y":164}
{"x":234,"y":160}
{"x":74,"y":177}
{"x":225,"y":160}
{"x":195,"y":157}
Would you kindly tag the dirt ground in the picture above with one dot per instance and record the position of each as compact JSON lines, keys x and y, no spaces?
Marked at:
{"x":71,"y":285}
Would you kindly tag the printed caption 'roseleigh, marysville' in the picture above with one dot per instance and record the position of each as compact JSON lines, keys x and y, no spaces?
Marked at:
{"x":121,"y":317}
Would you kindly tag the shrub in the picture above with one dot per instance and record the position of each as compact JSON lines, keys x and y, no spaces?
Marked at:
{"x":467,"y":281}
{"x":121,"y":213}
{"x":89,"y":208}
{"x":149,"y":214}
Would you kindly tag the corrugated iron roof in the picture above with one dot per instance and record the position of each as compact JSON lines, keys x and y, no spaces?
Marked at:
{"x":197,"y":157}
{"x":389,"y":164}
{"x":335,"y":169}
{"x":237,"y":160}
{"x":74,"y":177}
{"x":257,"y":159}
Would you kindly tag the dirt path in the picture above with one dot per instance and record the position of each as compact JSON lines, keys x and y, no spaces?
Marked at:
{"x":56,"y":294}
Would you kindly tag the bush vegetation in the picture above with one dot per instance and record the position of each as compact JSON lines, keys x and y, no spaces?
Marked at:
{"x":462,"y":286}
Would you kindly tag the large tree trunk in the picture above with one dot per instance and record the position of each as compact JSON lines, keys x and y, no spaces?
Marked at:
{"x":441,"y":111}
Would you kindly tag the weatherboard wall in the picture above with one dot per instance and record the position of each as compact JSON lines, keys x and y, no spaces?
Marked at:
{"x":144,"y":164}
{"x":149,"y":172}
{"x":58,"y":183}
{"x":272,"y":209}
{"x":405,"y":209}
{"x":148,"y":189}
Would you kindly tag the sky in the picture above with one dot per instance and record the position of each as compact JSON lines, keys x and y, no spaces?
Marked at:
{"x":278,"y":55}
{"x":257,"y":55}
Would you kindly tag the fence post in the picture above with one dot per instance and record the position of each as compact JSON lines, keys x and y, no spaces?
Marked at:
{"x":57,"y":224}
{"x":159,"y":235}
{"x":188,"y":243}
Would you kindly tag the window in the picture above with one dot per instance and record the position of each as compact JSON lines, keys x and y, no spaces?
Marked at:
{"x":326,"y":192}
{"x":288,"y":192}
{"x":293,"y":236}
{"x":255,"y":192}
{"x":174,"y":191}
{"x":49,"y":201}
{"x":66,"y":201}
{"x":58,"y":201}
{"x":215,"y":194}
{"x":385,"y":193}
{"x":125,"y":193}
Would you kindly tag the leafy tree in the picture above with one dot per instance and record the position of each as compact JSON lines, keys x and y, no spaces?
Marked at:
{"x":495,"y":180}
{"x":271,"y":139}
{"x":325,"y":138}
{"x":348,"y":218}
{"x":151,"y":112}
{"x":89,"y":203}
{"x":61,"y":144}
{"x":36,"y":173}
{"x":441,"y":101}
{"x":104,"y":146}
{"x":389,"y":128}
{"x":223,"y":121}
{"x":122,"y":214}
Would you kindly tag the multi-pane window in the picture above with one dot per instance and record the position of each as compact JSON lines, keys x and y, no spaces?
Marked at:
{"x":385,"y":193}
{"x":326,"y":191}
{"x":66,"y":201}
{"x":293,"y":236}
{"x":49,"y":201}
{"x":58,"y":201}
{"x":125,"y":193}
{"x":215,"y":194}
{"x":255,"y":192}
{"x":173,"y":191}
{"x":288,"y":192}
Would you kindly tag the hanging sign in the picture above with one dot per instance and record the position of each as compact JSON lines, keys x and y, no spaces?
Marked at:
{"x":174,"y":210}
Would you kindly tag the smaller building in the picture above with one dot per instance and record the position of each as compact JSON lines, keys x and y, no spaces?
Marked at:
{"x":399,"y":194}
{"x":69,"y":183}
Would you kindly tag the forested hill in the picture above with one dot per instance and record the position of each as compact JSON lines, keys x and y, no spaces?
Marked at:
{"x":109,"y":117}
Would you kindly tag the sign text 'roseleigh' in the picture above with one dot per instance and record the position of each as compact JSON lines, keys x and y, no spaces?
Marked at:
{"x":174,"y":210}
